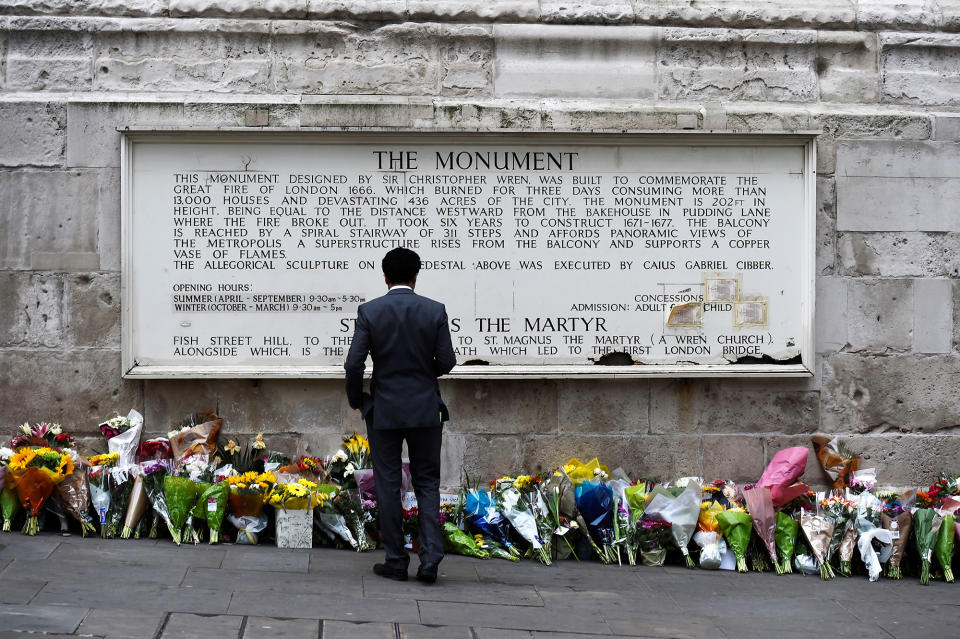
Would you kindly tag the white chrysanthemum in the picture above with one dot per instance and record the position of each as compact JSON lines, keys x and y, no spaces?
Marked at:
{"x":6,"y":454}
{"x":56,"y":429}
{"x":340,"y":456}
{"x":348,"y":470}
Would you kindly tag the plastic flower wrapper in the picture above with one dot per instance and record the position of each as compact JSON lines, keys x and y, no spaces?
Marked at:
{"x":121,"y":486}
{"x":351,"y":510}
{"x":712,"y":547}
{"x":785,"y":536}
{"x":870,"y":535}
{"x":844,"y":514}
{"x":520,"y":513}
{"x":594,"y":501}
{"x":482,"y":518}
{"x":248,"y":492}
{"x":248,"y":527}
{"x":760,"y":505}
{"x":460,"y":543}
{"x":559,"y":495}
{"x":333,"y":524}
{"x":926,"y":525}
{"x":153,"y":473}
{"x":36,"y":473}
{"x":196,"y":435}
{"x":125,"y":442}
{"x":74,"y":491}
{"x":215,"y":499}
{"x":578,"y":472}
{"x":682,"y":512}
{"x":943,"y":549}
{"x":736,"y":526}
{"x":837,"y":462}
{"x":136,"y":507}
{"x":899,"y":526}
{"x":782,"y":473}
{"x":653,"y":533}
{"x":181,"y":495}
{"x":818,"y":529}
{"x":99,"y":480}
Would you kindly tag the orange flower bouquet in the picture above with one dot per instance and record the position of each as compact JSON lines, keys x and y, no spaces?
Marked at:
{"x":37,"y":471}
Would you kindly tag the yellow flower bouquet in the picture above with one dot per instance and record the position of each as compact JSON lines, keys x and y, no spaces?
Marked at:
{"x":302,"y":495}
{"x":36,"y":473}
{"x":249,"y":491}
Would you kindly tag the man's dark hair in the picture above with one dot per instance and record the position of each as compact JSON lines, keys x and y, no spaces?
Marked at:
{"x":401,"y":265}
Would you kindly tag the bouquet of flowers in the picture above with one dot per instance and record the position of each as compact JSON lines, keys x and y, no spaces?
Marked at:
{"x":595,"y":504}
{"x":524,"y":508}
{"x":153,"y":473}
{"x":460,"y":543}
{"x":354,"y":456}
{"x":760,"y":504}
{"x":42,"y":435}
{"x":837,"y":462}
{"x":248,"y":492}
{"x":180,"y":493}
{"x":154,"y":450}
{"x":195,"y":435}
{"x":37,"y":471}
{"x":558,"y":494}
{"x":898,"y":522}
{"x":329,"y":520}
{"x":74,"y":491}
{"x":818,"y":530}
{"x":652,"y":536}
{"x":482,"y":518}
{"x":785,"y":534}
{"x":9,"y":504}
{"x":843,"y":512}
{"x":926,"y":525}
{"x":214,"y":500}
{"x":302,"y":495}
{"x":136,"y":506}
{"x":98,"y":476}
{"x":782,"y":473}
{"x":682,"y":512}
{"x":121,"y":484}
{"x":123,"y":436}
{"x":869,"y":534}
{"x":736,"y":526}
{"x":317,"y":467}
{"x":355,"y":517}
{"x":945,"y":538}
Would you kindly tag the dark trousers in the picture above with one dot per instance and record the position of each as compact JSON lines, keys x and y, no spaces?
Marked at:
{"x":423,"y":445}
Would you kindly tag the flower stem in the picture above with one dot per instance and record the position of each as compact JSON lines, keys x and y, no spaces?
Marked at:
{"x":894,"y":572}
{"x":786,"y":567}
{"x":741,"y":564}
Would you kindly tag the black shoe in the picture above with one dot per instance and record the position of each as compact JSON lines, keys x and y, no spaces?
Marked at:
{"x":427,"y":573}
{"x":397,"y":574}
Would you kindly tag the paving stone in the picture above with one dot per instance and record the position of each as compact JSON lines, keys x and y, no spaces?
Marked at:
{"x":136,"y":598}
{"x":512,"y":617}
{"x":270,"y":628}
{"x":18,"y":588}
{"x":145,"y":553}
{"x":39,"y":547}
{"x":40,"y":618}
{"x":121,"y":623}
{"x":350,"y":630}
{"x":501,"y":633}
{"x":417,"y":631}
{"x":183,"y":626}
{"x":611,"y":604}
{"x":682,"y":626}
{"x":340,"y":581}
{"x":83,"y":570}
{"x":300,"y":605}
{"x":266,"y":558}
{"x":449,"y":590}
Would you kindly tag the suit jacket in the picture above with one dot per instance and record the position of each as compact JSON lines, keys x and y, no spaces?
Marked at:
{"x":408,"y":337}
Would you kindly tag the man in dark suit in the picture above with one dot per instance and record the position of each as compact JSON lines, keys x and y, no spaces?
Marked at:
{"x":408,"y":337}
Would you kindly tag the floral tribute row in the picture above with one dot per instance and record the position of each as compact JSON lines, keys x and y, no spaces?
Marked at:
{"x":193,"y":488}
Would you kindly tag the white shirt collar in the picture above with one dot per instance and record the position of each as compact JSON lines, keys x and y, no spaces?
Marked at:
{"x":400,"y":286}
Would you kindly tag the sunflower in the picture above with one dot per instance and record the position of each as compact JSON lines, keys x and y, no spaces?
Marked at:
{"x":22,"y":459}
{"x":65,"y":467}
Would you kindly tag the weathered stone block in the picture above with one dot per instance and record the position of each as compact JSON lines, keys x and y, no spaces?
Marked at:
{"x":490,"y":10}
{"x":847,"y":66}
{"x":946,"y":127}
{"x":501,"y":406}
{"x":466,"y":53}
{"x":918,"y":196}
{"x":758,"y":14}
{"x":87,"y":7}
{"x":364,"y":112}
{"x":826,"y":155}
{"x":49,"y":61}
{"x":932,"y":315}
{"x":76,"y":389}
{"x":596,"y":62}
{"x":600,"y":406}
{"x":863,"y":126}
{"x":478,"y":457}
{"x":776,"y":66}
{"x":92,"y":302}
{"x":920,"y":69}
{"x":237,"y":61}
{"x":896,"y":14}
{"x":32,"y":133}
{"x":239,"y":8}
{"x":587,"y":11}
{"x":642,"y":456}
{"x":739,"y":119}
{"x":234,"y":114}
{"x":900,"y":254}
{"x":108,"y":238}
{"x":898,"y":393}
{"x":879,"y":315}
{"x":592,"y":118}
{"x":739,"y":458}
{"x":92,"y":136}
{"x":831,"y":304}
{"x":70,"y":261}
{"x":956,"y":315}
{"x":31,"y":313}
{"x":308,"y":412}
{"x":826,"y":225}
{"x":50,"y":211}
{"x":397,"y":59}
{"x":699,"y":406}
{"x":366,"y":10}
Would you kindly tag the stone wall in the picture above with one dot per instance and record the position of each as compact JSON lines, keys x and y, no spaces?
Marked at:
{"x":880,"y":79}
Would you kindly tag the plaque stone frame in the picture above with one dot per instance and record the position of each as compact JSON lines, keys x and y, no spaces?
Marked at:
{"x":800,"y":366}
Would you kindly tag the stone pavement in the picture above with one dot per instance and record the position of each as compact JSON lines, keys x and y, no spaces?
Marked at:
{"x":69,"y":586}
